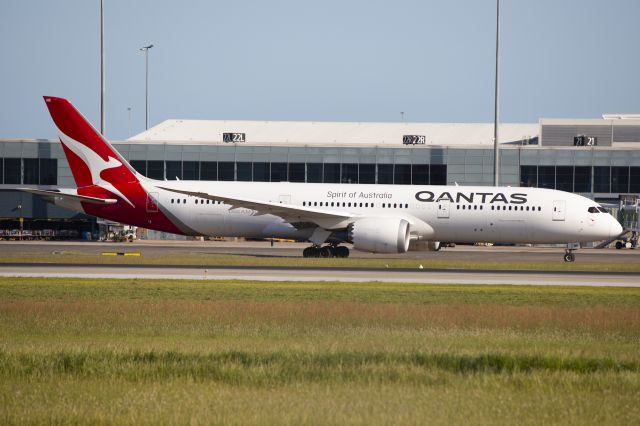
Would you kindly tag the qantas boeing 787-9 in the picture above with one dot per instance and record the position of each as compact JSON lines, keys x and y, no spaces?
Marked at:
{"x":374,"y":218}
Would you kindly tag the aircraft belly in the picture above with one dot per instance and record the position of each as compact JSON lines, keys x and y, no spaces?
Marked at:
{"x":511,"y":231}
{"x":211,"y":224}
{"x":238,"y":225}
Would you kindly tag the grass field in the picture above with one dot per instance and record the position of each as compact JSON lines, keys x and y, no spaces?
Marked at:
{"x":153,"y":351}
{"x":202,"y":259}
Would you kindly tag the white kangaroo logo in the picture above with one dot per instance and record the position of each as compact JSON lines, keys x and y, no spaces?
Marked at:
{"x":95,"y":163}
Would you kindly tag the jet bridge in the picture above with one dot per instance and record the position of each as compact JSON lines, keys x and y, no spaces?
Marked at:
{"x":628,"y":216}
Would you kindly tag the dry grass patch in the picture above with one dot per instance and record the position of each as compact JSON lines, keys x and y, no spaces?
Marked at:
{"x":181,"y":315}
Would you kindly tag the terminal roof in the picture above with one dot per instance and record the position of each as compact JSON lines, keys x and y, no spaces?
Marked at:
{"x":334,"y":133}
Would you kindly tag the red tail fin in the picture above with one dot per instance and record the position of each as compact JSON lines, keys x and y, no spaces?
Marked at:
{"x":101,"y":173}
{"x":92,"y":159}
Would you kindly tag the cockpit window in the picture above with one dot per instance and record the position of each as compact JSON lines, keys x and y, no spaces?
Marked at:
{"x":603,"y":210}
{"x":593,"y":210}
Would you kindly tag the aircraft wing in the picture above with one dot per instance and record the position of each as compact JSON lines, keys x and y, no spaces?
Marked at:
{"x":58,"y":195}
{"x":289,"y":212}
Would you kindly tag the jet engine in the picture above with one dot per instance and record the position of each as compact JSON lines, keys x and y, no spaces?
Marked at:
{"x":425,"y":246}
{"x":380,"y":235}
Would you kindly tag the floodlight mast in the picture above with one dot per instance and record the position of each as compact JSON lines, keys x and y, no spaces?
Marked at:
{"x":103,"y":118}
{"x":145,"y":49}
{"x":496,"y":146}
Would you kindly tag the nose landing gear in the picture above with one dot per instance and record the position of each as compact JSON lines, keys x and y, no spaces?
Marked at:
{"x":326,"y":251}
{"x":569,"y":256}
{"x":568,"y":253}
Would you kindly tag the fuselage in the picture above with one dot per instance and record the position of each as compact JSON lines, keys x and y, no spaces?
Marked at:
{"x":379,"y":218}
{"x":438,"y":213}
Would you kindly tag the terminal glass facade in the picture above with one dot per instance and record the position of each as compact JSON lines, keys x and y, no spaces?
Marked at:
{"x":600,"y":172}
{"x":278,"y":164}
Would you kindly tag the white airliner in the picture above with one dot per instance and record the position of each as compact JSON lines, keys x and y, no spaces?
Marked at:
{"x":374,"y":218}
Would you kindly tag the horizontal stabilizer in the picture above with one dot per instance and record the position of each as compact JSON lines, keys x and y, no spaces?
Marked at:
{"x":68,"y":196}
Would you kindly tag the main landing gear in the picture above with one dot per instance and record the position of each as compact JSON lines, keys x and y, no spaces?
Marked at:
{"x":326,"y":251}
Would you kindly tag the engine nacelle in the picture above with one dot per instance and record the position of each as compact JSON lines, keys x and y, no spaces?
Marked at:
{"x":380,"y":235}
{"x":425,"y":246}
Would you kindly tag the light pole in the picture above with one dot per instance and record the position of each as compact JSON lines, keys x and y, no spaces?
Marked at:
{"x":102,"y":84}
{"x":21,"y":221}
{"x":145,"y":49}
{"x":496,"y":146}
{"x":129,"y":111}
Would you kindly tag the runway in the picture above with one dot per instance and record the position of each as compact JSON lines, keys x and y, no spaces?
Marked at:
{"x":43,"y":250}
{"x":324,"y":274}
{"x":294,"y":250}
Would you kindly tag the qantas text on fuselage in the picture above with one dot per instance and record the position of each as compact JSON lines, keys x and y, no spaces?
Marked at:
{"x":470,"y":197}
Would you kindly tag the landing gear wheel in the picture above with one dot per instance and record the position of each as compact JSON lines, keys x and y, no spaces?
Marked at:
{"x":619,"y":245}
{"x":342,"y":252}
{"x":569,"y":257}
{"x":310,"y":252}
{"x":326,"y":252}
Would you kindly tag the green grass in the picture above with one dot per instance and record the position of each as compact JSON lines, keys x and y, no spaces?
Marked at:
{"x":69,"y":289}
{"x":162,"y":351}
{"x":196,"y":259}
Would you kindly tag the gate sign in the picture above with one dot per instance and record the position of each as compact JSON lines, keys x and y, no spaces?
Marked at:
{"x":414,"y":139}
{"x":233,"y":137}
{"x":582,"y":140}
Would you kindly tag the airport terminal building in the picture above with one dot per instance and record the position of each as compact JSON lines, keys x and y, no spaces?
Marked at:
{"x":598,"y":158}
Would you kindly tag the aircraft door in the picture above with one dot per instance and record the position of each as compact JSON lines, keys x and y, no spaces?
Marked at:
{"x":152,"y":202}
{"x":559,"y":210}
{"x":443,"y":209}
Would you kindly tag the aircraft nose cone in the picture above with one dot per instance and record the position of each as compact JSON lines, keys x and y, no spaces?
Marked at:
{"x":615,"y":229}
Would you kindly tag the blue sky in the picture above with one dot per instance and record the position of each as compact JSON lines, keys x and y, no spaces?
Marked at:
{"x":335,"y":60}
